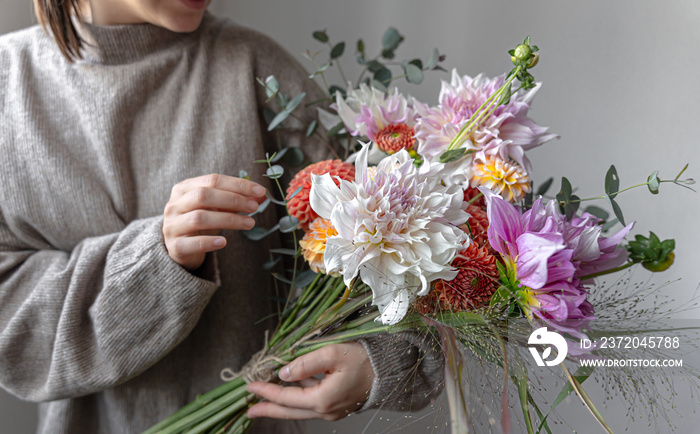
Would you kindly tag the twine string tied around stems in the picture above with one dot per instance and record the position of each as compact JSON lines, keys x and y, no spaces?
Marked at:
{"x":261,"y":367}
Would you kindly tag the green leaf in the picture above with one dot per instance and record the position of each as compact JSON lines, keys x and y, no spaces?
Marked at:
{"x":598,"y":212}
{"x":334,"y":90}
{"x":433,"y":59}
{"x":388,"y":54}
{"x":505,"y":96}
{"x":294,"y":103}
{"x":617,"y":211}
{"x":257,"y":233}
{"x":374,"y":66}
{"x":417,"y":62}
{"x":545,"y":186}
{"x":566,"y":188}
{"x":288,"y":224}
{"x":612,"y":182}
{"x":653,"y":182}
{"x":321,"y":36}
{"x":311,"y":129}
{"x":572,"y":206}
{"x":294,"y":193}
{"x":304,"y":278}
{"x":294,"y":156}
{"x":334,"y":131}
{"x":269,"y":265}
{"x":261,"y":207}
{"x":452,"y":155}
{"x":391,"y":39}
{"x":288,"y":252}
{"x":277,"y":156}
{"x":288,"y":109}
{"x":320,"y":70}
{"x":608,"y":225}
{"x":268,"y":115}
{"x":275,"y":171}
{"x":383,"y":76}
{"x":361,"y":46}
{"x":271,"y":86}
{"x":337,"y":50}
{"x":413,"y":73}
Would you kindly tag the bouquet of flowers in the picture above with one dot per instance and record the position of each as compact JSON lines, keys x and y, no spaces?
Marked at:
{"x":431,"y":224}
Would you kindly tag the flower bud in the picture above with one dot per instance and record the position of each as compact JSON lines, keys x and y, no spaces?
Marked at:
{"x":522,"y":53}
{"x":533,"y":61}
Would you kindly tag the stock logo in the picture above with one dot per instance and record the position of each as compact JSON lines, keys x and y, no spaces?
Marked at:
{"x":553,"y":339}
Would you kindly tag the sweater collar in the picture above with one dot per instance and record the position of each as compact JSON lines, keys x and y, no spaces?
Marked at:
{"x":121,"y":44}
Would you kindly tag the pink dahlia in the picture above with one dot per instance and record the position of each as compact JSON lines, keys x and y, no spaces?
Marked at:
{"x":550,"y":254}
{"x":367,"y":111}
{"x":506,"y":133}
{"x":299,"y":205}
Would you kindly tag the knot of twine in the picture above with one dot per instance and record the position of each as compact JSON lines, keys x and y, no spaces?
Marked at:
{"x":261,"y":367}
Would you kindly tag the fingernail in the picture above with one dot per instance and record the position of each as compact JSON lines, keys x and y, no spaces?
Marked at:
{"x":252,"y":206}
{"x":284,"y":373}
{"x":259,"y":190}
{"x":250,"y":223}
{"x":219,"y":242}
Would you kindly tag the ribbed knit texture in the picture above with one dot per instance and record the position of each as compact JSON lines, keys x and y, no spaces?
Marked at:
{"x":96,"y":321}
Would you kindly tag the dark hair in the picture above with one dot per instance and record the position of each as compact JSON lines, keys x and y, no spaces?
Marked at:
{"x":56,"y":16}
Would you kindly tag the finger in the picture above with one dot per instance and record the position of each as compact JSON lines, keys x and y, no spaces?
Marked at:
{"x":287,"y":396}
{"x":272,"y":410}
{"x":183,"y":247}
{"x":220,"y":182}
{"x":309,"y":382}
{"x":308,"y":365}
{"x":202,"y":220}
{"x":211,"y":199}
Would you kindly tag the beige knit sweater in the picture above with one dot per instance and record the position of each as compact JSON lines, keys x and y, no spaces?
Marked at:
{"x":96,"y":321}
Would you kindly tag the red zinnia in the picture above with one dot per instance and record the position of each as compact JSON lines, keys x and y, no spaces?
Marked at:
{"x":299,"y":205}
{"x":477,"y":226}
{"x":470,"y":193}
{"x":475,"y":283}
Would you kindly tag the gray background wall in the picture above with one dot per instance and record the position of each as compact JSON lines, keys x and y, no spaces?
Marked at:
{"x":620,"y":87}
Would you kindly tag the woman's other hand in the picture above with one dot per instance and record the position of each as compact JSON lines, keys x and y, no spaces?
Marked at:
{"x":199,"y":208}
{"x":344,"y":388}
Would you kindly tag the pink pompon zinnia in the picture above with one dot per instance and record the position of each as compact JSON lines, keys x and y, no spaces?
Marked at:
{"x":298,"y":205}
{"x":475,"y":284}
{"x":313,"y":245}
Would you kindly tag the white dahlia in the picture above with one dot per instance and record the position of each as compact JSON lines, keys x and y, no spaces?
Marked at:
{"x":397,"y":229}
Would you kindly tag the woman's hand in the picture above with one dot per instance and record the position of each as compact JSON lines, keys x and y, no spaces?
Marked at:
{"x":199,"y":208}
{"x":344,"y":389}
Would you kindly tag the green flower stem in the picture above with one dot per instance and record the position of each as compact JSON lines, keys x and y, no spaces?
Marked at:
{"x":224,"y":402}
{"x":358,"y":322}
{"x":675,"y":181}
{"x":610,"y":271}
{"x":479,"y":113}
{"x":220,"y":415}
{"x":295,"y":318}
{"x":197,"y":404}
{"x":331,"y":294}
{"x":239,"y":427}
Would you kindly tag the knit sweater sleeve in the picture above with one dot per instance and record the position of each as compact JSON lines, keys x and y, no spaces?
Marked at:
{"x":72,"y":323}
{"x":408,"y":367}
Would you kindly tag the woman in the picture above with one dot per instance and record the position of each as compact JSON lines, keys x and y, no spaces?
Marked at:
{"x":119,"y":299}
